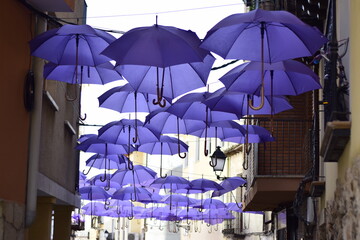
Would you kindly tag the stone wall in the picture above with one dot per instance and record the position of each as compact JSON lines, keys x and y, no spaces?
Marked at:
{"x":343,"y":213}
{"x":11,"y":220}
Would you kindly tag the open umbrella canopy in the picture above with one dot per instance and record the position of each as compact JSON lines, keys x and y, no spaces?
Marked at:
{"x":164,"y":146}
{"x":157,"y":45}
{"x":101,"y":161}
{"x":178,"y":200}
{"x":95,"y":145}
{"x":72,"y":45}
{"x":210,"y":203}
{"x":132,"y":193}
{"x":78,"y":74}
{"x":204,"y":185}
{"x":93,"y":193}
{"x":255,"y":134}
{"x":170,"y":182}
{"x":125,"y":131}
{"x":229,"y":184}
{"x":234,"y":132}
{"x":285,"y":36}
{"x":167,"y":123}
{"x":99,"y":180}
{"x":125,"y":99}
{"x":236,"y":207}
{"x":94,"y":208}
{"x":140,"y":174}
{"x":238,"y":103}
{"x":287,"y":77}
{"x":191,"y":106}
{"x":175,"y":79}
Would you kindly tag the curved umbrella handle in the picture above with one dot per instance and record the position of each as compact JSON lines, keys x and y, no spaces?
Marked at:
{"x":130,"y":218}
{"x":107,"y":205}
{"x":130,"y":165}
{"x":216,"y":228}
{"x":262,"y":92}
{"x":179,"y":153}
{"x":107,"y":187}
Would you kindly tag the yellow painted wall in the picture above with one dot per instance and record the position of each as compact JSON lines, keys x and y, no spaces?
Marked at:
{"x":353,"y":148}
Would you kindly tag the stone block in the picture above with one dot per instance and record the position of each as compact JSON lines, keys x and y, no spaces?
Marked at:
{"x":8,"y":211}
{"x":9,"y":231}
{"x":19,"y":213}
{"x":1,"y":227}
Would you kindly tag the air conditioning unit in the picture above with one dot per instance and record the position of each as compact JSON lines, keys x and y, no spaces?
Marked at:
{"x":133,"y":236}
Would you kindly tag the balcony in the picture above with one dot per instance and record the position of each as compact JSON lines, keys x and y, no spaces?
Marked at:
{"x":276,"y":168}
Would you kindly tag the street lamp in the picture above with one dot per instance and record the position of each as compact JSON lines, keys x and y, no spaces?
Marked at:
{"x":217,"y":161}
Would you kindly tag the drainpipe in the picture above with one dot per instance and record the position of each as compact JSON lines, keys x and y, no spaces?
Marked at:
{"x":35,"y":132}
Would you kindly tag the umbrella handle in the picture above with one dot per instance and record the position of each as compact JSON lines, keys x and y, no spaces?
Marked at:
{"x":107,"y":205}
{"x":130,"y":165}
{"x":130,"y":218}
{"x":262,"y":29}
{"x":216,"y":228}
{"x":107,"y":187}
{"x":158,"y":102}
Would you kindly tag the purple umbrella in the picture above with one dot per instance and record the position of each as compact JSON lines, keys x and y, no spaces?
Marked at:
{"x":91,"y":143}
{"x":176,"y":79}
{"x":165,"y":146}
{"x":237,"y":103}
{"x":138,"y":175}
{"x":94,"y":208}
{"x":285,"y":36}
{"x":171,"y":182}
{"x":265,"y":36}
{"x":178,"y":200}
{"x":120,"y":132}
{"x":160,"y":46}
{"x":106,"y":162}
{"x":93,"y":193}
{"x":236,"y":207}
{"x":78,"y":74}
{"x":211,"y":203}
{"x":287,"y":77}
{"x":125,"y":99}
{"x":157,"y":46}
{"x":204,"y":185}
{"x":254,"y":134}
{"x":132,"y":193}
{"x":98,"y":180}
{"x":229,"y":184}
{"x":96,"y":145}
{"x":100,"y":161}
{"x":167,"y":123}
{"x":72,"y":45}
{"x":190,"y":106}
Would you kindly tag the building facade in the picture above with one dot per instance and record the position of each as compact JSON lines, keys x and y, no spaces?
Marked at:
{"x":39,"y":165}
